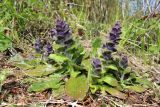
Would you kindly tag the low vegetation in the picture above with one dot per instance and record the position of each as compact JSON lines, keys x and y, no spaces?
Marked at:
{"x":56,"y":53}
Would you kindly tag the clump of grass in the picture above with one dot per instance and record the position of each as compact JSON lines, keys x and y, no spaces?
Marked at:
{"x":141,"y":37}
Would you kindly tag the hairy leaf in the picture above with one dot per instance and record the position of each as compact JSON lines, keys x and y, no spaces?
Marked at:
{"x":96,"y":43}
{"x":112,"y":67}
{"x":43,"y":85}
{"x":94,"y":88}
{"x":40,"y":70}
{"x":4,"y":42}
{"x":58,"y":58}
{"x":136,"y":88}
{"x":59,"y":92}
{"x":114,"y":92}
{"x":109,"y":80}
{"x":76,"y":88}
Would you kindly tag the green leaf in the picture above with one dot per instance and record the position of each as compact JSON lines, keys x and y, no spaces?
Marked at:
{"x":17,"y":58}
{"x":4,"y":42}
{"x":96,"y":43}
{"x":24,"y":65}
{"x":94,"y":88}
{"x":57,"y":46}
{"x":29,"y":80}
{"x":86,"y":63}
{"x":3,"y":74}
{"x":76,"y":88}
{"x":154,"y":49}
{"x":58,"y":58}
{"x":57,"y":93}
{"x":43,"y":85}
{"x":74,"y":73}
{"x":39,"y":86}
{"x":109,"y":80}
{"x":146,"y":83}
{"x":136,"y":88}
{"x":114,"y":92}
{"x":112,"y":67}
{"x":40,"y":70}
{"x":127,"y":70}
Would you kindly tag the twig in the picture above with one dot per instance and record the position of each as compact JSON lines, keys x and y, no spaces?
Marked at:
{"x":74,"y":4}
{"x":144,"y":105}
{"x":53,"y":102}
{"x":73,"y":104}
{"x":48,"y":101}
{"x":113,"y":102}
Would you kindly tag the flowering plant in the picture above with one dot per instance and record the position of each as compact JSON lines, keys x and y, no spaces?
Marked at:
{"x":71,"y":70}
{"x":111,"y":73}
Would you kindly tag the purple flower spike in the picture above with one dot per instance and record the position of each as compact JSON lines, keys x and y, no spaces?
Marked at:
{"x":114,"y":35}
{"x":96,"y":63}
{"x":124,"y":62}
{"x":111,"y":47}
{"x":62,"y":27}
{"x":107,"y":55}
{"x":53,"y":32}
{"x":49,"y":48}
{"x":61,"y":31}
{"x":38,"y":45}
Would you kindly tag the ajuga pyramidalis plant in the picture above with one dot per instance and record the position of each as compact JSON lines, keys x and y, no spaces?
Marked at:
{"x":69,"y":55}
{"x":111,"y":70}
{"x":110,"y":46}
{"x":107,"y":70}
